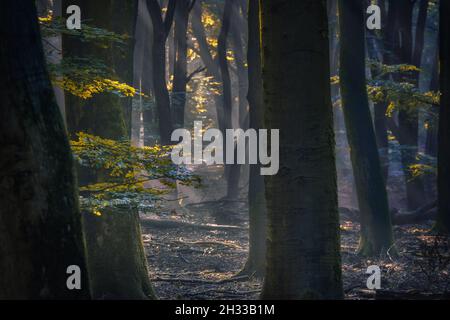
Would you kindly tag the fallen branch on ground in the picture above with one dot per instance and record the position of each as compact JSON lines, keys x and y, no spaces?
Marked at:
{"x":172,"y":224}
{"x":240,"y":278}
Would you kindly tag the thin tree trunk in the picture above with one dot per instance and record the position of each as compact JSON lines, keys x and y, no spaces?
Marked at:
{"x":420,"y":36}
{"x":432,"y":131}
{"x":116,"y":257}
{"x":180,"y":77}
{"x":40,"y":223}
{"x":257,"y":210}
{"x":303,"y":250}
{"x":237,"y":30}
{"x":375,"y":45}
{"x":232,"y":171}
{"x":376,"y":229}
{"x":408,"y":120}
{"x":145,"y":72}
{"x":211,"y":64}
{"x":161,"y":29}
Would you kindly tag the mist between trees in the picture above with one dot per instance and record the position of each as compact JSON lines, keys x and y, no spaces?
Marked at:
{"x":224,"y":149}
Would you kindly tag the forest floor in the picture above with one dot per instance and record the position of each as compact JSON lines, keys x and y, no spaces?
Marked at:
{"x":195,"y":250}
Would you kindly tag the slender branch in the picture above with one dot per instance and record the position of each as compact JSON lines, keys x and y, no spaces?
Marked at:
{"x":191,"y":5}
{"x":168,"y":19}
{"x":193,"y":73}
{"x":154,"y":9}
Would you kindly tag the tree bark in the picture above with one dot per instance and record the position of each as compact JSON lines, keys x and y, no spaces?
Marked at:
{"x":375,"y":44}
{"x":180,"y":79}
{"x":408,"y":123}
{"x":376,"y":229}
{"x":116,"y":256}
{"x":232,"y":171}
{"x":257,"y":210}
{"x":211,"y":64}
{"x":40,"y":223}
{"x":303,"y":249}
{"x":432,"y":131}
{"x":103,"y":115}
{"x":443,"y":219}
{"x":161,"y":29}
{"x":237,"y":31}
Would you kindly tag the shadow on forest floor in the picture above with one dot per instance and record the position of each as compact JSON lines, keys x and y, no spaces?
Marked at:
{"x":194,"y":251}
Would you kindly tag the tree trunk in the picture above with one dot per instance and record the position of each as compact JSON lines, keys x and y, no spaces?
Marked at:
{"x":303,"y":249}
{"x":376,"y":229}
{"x":255,"y":264}
{"x":232,"y":171}
{"x":210,"y":63}
{"x":116,"y":256}
{"x":180,"y":69}
{"x":103,"y":116}
{"x":420,"y":36}
{"x":144,"y":74}
{"x":223,"y":63}
{"x":40,"y":223}
{"x":375,"y":45}
{"x":161,"y":29}
{"x":443,"y":220}
{"x":408,"y":120}
{"x":432,"y":131}
{"x":237,"y":30}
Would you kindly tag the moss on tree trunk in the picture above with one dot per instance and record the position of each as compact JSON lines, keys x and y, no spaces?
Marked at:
{"x":116,"y":258}
{"x":40,"y":224}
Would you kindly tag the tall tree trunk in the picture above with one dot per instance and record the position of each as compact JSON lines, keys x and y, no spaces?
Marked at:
{"x":376,"y":229}
{"x":408,"y":120}
{"x":432,"y":131}
{"x":144,"y":74}
{"x":211,"y":64}
{"x":232,"y":171}
{"x":161,"y":29}
{"x":257,"y":210}
{"x":420,"y":36}
{"x":303,"y":249}
{"x":237,"y":31}
{"x":116,"y":257}
{"x":40,"y":223}
{"x":180,"y":77}
{"x":223,"y":63}
{"x":443,"y":219}
{"x":376,"y":45}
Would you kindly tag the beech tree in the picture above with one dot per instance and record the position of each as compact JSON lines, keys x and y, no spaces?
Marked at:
{"x":180,"y":76}
{"x":161,"y":29}
{"x":255,"y":264}
{"x":402,"y":52}
{"x":116,"y":257}
{"x":376,"y":229}
{"x":40,"y":223}
{"x":443,"y":220}
{"x":303,"y":255}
